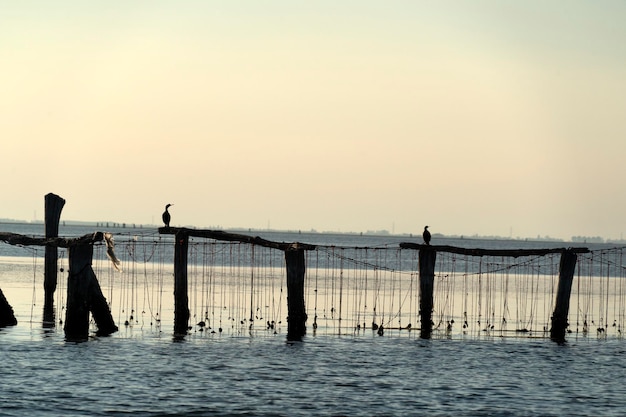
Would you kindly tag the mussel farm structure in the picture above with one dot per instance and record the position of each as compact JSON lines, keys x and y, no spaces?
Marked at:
{"x":216,"y":282}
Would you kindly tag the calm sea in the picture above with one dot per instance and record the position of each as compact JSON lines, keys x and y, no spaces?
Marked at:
{"x":141,"y":370}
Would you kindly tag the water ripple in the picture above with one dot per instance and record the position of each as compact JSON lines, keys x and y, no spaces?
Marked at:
{"x":321,"y":375}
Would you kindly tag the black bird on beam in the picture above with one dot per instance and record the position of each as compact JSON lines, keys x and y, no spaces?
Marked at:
{"x":426,"y":235}
{"x":166,"y":216}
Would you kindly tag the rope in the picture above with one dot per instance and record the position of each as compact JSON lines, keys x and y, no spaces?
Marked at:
{"x":34,"y":296}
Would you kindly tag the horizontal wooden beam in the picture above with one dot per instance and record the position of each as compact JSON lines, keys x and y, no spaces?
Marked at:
{"x":234,"y":237}
{"x":59,"y":242}
{"x":490,"y":252}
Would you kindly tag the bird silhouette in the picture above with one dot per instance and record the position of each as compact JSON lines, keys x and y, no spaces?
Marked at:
{"x":166,"y":216}
{"x":426,"y":235}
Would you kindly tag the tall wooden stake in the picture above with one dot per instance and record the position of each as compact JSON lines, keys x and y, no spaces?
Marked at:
{"x":181,"y":297}
{"x":427,"y":259}
{"x":296,"y":312}
{"x":564,"y":289}
{"x":53,"y":207}
{"x":77,"y":307}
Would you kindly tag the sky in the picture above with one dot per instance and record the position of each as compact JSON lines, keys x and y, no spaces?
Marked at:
{"x":483,"y":117}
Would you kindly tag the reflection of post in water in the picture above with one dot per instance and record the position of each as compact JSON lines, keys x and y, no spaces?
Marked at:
{"x":53,"y":206}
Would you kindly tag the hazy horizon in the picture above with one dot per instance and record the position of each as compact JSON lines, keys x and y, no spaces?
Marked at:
{"x":380,"y":232}
{"x":476,"y":118}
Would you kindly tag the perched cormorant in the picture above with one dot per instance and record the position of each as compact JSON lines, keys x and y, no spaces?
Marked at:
{"x":166,"y":216}
{"x":426,"y":235}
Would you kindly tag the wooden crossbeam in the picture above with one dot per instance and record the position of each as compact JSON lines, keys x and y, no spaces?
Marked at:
{"x":234,"y":237}
{"x":59,"y":242}
{"x":515,"y":253}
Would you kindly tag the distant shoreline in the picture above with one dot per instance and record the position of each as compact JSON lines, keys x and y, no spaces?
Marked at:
{"x":122,"y":225}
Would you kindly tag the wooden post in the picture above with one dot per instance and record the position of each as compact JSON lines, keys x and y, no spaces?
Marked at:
{"x":7,"y":317}
{"x":296,"y":312}
{"x":427,"y":259}
{"x":181,"y":297}
{"x":564,"y":288}
{"x":84,"y":295}
{"x":77,"y":308}
{"x":53,"y":206}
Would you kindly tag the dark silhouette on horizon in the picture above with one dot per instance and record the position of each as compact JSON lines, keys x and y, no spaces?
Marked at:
{"x":166,"y":216}
{"x":426,"y":235}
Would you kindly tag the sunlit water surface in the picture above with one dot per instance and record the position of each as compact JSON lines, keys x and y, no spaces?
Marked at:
{"x":322,"y":375}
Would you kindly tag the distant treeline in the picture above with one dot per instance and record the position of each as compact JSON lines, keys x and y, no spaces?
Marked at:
{"x":588,"y":239}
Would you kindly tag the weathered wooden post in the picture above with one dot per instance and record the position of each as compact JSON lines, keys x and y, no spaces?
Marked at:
{"x":427,"y":259}
{"x":77,"y":307}
{"x":84,"y":295}
{"x":181,"y":297}
{"x":564,"y":289}
{"x":296,"y":312}
{"x":53,"y":207}
{"x":7,"y":317}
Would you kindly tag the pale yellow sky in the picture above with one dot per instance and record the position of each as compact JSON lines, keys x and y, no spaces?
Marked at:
{"x":482,"y":117}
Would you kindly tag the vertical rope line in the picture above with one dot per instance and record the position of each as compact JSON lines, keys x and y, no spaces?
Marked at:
{"x":333,"y":270}
{"x":380,"y":297}
{"x":214,"y":274}
{"x":204,"y":289}
{"x":230,"y":285}
{"x":361,"y":288}
{"x":341,"y":272}
{"x":535,"y":295}
{"x":398,"y":277}
{"x":34,"y":295}
{"x":411,"y":294}
{"x":452,"y":291}
{"x":222,"y":277}
{"x":608,"y":285}
{"x":505,"y":305}
{"x":376,"y":292}
{"x":586,"y":291}
{"x":272,"y":300}
{"x":579,"y":262}
{"x":615,"y":289}
{"x":146,"y":289}
{"x":317,"y":273}
{"x":135,"y":290}
{"x":600,"y":279}
{"x":121,"y":309}
{"x":327,"y":286}
{"x":480,"y":290}
{"x":252,"y":266}
{"x":355,"y":290}
{"x":622,"y":311}
{"x":392,"y":285}
{"x":465,"y":292}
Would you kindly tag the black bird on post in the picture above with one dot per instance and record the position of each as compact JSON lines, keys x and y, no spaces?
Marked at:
{"x":426,"y":235}
{"x":166,"y":216}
